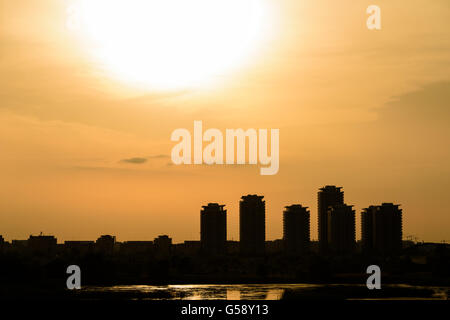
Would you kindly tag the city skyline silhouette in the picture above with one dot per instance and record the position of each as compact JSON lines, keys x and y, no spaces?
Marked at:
{"x":337,"y":228}
{"x":216,"y":260}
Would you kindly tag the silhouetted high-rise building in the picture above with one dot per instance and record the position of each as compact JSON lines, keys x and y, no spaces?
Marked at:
{"x":367,"y":229}
{"x":296,"y":221}
{"x":341,"y":229}
{"x":2,"y":242}
{"x":213,"y":229}
{"x":381,"y":229}
{"x":327,"y":196}
{"x":252,"y":224}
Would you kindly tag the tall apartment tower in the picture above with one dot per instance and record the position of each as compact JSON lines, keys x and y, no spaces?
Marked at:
{"x":367,"y":229}
{"x":327,"y":196}
{"x":296,"y":223}
{"x":252,"y":224}
{"x":381,"y":229}
{"x":341,"y":229}
{"x":213,"y":229}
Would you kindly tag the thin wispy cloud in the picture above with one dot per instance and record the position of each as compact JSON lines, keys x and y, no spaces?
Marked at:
{"x":159,"y":156}
{"x":135,"y":160}
{"x":142,"y":160}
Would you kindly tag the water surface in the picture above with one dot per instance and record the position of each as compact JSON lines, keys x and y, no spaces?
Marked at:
{"x":240,"y":291}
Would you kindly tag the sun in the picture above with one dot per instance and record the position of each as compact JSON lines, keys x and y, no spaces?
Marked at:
{"x":172,"y":44}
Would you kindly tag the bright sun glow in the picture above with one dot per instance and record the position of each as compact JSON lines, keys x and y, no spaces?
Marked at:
{"x":172,"y":44}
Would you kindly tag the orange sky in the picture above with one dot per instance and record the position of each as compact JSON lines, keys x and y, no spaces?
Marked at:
{"x":366,"y":110}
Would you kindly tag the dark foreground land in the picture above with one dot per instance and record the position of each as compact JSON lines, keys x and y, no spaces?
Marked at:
{"x":24,"y":274}
{"x":340,"y":292}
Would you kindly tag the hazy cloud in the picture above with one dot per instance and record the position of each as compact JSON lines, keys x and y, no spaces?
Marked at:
{"x":159,"y":156}
{"x":141,"y":160}
{"x":426,"y":105}
{"x":135,"y":160}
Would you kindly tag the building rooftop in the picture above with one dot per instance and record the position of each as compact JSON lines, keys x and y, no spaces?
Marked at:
{"x":252,"y":197}
{"x":389,"y":204}
{"x":330,"y":188}
{"x":213,"y":205}
{"x":296,"y":206}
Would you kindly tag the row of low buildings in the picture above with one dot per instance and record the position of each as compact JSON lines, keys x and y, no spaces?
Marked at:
{"x":47,"y":245}
{"x":161,"y":246}
{"x":381,"y":231}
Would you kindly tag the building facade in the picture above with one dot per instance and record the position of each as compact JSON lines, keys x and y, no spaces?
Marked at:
{"x":341,"y":229}
{"x":252,"y":224}
{"x":42,"y":244}
{"x":162,"y":245}
{"x":367,"y":229}
{"x":381,"y":229}
{"x":296,"y":229}
{"x":326,"y":197}
{"x":213,"y":229}
{"x":105,"y":244}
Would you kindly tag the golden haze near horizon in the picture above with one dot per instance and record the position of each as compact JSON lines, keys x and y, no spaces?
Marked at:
{"x":86,"y":114}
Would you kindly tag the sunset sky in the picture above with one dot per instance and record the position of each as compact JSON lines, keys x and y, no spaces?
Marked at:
{"x":85,"y":127}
